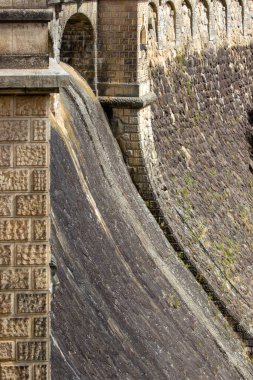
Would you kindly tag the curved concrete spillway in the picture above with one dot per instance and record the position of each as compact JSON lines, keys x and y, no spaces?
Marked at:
{"x":126,"y":307}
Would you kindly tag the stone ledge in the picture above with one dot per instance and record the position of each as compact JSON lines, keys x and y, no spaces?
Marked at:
{"x":33,"y":80}
{"x":41,"y":15}
{"x":28,"y":4}
{"x":132,"y":102}
{"x":24,"y":61}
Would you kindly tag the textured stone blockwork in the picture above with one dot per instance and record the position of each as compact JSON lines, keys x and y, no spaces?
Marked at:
{"x":24,"y":210}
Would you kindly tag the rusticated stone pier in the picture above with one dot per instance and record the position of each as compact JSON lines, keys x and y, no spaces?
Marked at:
{"x":26,"y":81}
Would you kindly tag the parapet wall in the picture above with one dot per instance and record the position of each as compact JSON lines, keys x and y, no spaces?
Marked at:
{"x":123,"y":32}
{"x":201,"y":22}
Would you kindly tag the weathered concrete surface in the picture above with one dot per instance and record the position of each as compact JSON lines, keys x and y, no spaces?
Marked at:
{"x":126,"y":308}
{"x":201,"y":172}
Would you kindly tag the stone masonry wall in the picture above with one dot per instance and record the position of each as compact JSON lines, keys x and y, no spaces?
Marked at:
{"x":199,"y":164}
{"x":24,"y":234}
{"x":202,"y":95}
{"x":199,"y":56}
{"x":78,"y":47}
{"x":63,"y":14}
{"x":117,"y":31}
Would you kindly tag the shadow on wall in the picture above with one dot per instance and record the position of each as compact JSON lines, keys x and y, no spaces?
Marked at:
{"x":250,"y":117}
{"x":249,"y":137}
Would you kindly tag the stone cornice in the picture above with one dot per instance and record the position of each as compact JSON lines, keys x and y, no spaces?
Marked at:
{"x":133,"y":102}
{"x":33,"y":80}
{"x":41,"y":15}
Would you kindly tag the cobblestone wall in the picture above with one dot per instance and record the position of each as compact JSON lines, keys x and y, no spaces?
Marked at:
{"x":199,"y":165}
{"x":24,"y":234}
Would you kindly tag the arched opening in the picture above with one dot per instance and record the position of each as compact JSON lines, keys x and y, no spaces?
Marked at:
{"x":237,"y":17}
{"x":203,"y":19}
{"x":143,"y":36}
{"x":186,"y":22}
{"x":171,"y":22}
{"x":77,"y":47}
{"x":153,"y":21}
{"x":143,"y":53}
{"x":220,"y":18}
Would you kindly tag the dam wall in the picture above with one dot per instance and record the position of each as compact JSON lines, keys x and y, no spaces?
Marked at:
{"x":175,"y":82}
{"x":194,"y":57}
{"x":126,"y":308}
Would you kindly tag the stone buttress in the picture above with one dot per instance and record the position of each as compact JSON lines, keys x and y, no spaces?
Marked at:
{"x":26,"y":81}
{"x":123,"y":81}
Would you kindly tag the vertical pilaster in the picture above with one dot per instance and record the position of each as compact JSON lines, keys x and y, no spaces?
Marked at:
{"x":26,"y":80}
{"x":24,"y":237}
{"x":123,"y":79}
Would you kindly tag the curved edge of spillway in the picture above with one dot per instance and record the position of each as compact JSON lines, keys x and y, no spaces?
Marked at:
{"x":126,"y":307}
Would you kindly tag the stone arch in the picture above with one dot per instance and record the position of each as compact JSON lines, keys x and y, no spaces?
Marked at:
{"x":153,"y":21}
{"x":203,"y":17}
{"x":237,"y":16}
{"x":171,"y":21}
{"x":156,"y":3}
{"x":186,"y":21}
{"x":78,"y":46}
{"x":220,"y":18}
{"x":143,"y":36}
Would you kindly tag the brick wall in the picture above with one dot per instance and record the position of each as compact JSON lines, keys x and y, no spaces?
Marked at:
{"x":78,"y":46}
{"x":117,"y":41}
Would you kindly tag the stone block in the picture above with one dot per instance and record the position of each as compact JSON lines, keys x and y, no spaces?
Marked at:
{"x":40,"y":228}
{"x":32,"y":254}
{"x":23,"y":38}
{"x":32,"y":105}
{"x":14,"y":130}
{"x":39,"y":180}
{"x":29,"y":4}
{"x":5,"y":155}
{"x":5,"y":254}
{"x":5,"y":40}
{"x":5,"y":205}
{"x":40,"y":372}
{"x":31,"y":303}
{"x":29,"y":38}
{"x":39,"y":130}
{"x":14,"y":279}
{"x":7,"y":351}
{"x":40,"y":327}
{"x":13,"y":180}
{"x":6,"y":4}
{"x":40,"y":279}
{"x":31,"y":205}
{"x":32,"y":351}
{"x":6,"y":303}
{"x":6,"y":105}
{"x":31,"y":155}
{"x":20,"y":62}
{"x":14,"y":229}
{"x":14,"y":327}
{"x":11,"y":372}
